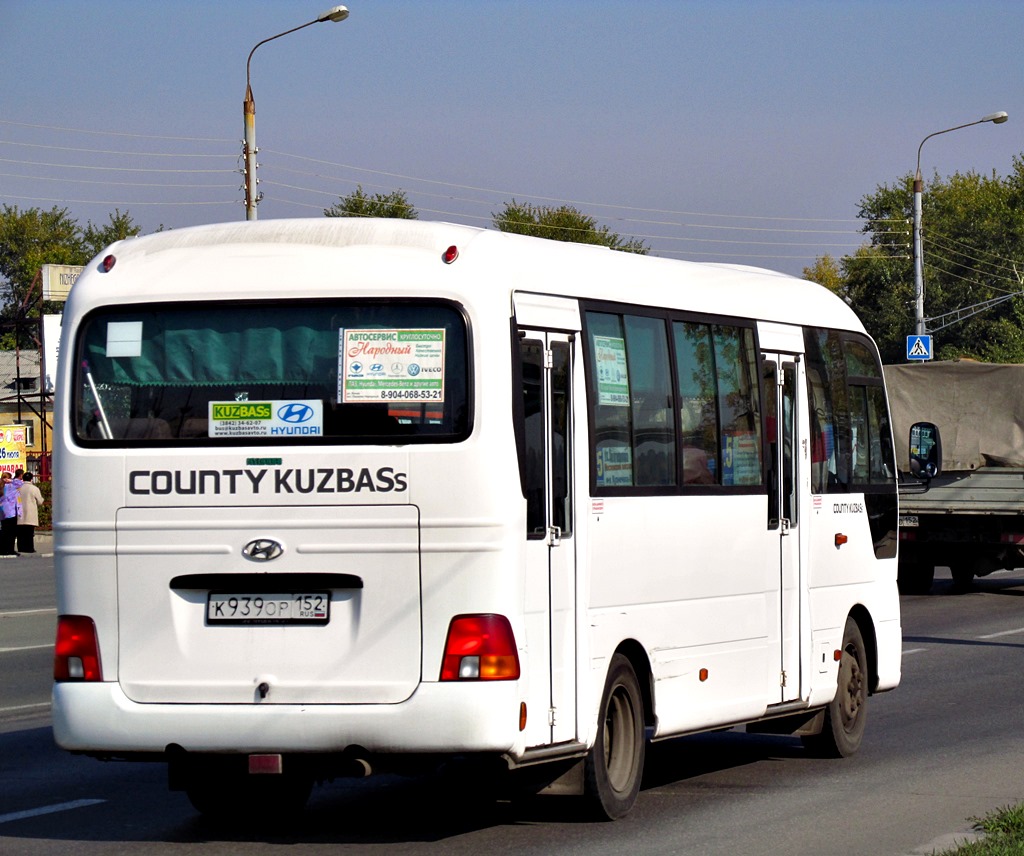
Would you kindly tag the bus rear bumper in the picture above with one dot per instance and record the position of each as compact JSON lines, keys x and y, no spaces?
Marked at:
{"x":99,"y":719}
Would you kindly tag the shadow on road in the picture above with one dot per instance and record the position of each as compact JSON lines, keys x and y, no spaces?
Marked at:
{"x":133,"y":803}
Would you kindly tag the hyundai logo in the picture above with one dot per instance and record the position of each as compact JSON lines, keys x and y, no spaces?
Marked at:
{"x":262,"y":550}
{"x":295,"y":413}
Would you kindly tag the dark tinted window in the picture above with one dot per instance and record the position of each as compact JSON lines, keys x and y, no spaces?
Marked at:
{"x":306,"y":372}
{"x":669,"y":411}
{"x":851,"y":436}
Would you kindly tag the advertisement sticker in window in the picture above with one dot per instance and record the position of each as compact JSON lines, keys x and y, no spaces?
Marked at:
{"x":390,"y":365}
{"x":612,"y":376}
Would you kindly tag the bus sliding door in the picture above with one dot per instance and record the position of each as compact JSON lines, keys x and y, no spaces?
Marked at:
{"x":782,"y":378}
{"x":547,"y":366}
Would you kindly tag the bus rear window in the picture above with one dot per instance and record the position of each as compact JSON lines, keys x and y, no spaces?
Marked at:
{"x":259,"y":373}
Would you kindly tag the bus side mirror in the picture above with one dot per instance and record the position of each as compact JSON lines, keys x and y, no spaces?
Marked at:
{"x":925,"y":451}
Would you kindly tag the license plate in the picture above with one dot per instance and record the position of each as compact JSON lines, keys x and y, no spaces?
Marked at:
{"x":908,"y":520}
{"x":273,"y":608}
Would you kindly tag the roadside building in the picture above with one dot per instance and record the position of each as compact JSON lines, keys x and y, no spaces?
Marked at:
{"x":23,"y":402}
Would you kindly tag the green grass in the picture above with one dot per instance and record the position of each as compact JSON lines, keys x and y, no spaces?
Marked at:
{"x":1004,"y":835}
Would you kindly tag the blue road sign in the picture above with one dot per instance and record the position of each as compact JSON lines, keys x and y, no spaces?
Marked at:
{"x":919,"y":347}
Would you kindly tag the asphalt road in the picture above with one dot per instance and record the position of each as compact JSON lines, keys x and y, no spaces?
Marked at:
{"x":946,"y":746}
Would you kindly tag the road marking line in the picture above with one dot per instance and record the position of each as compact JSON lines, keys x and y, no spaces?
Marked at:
{"x":1002,"y":633}
{"x":25,"y":648}
{"x":48,"y":809}
{"x":42,"y":704}
{"x":913,"y":650}
{"x":50,"y":611}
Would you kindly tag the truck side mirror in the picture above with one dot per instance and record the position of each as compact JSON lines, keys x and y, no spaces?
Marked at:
{"x":925,"y":451}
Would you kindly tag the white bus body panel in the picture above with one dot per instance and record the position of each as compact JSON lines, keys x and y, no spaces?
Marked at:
{"x":706,"y":602}
{"x":347,"y":660}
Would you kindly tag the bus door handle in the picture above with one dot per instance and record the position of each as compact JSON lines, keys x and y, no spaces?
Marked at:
{"x":784,"y":525}
{"x":554,"y":536}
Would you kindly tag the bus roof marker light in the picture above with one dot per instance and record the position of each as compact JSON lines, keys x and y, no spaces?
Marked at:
{"x":108,"y":263}
{"x":450,"y":255}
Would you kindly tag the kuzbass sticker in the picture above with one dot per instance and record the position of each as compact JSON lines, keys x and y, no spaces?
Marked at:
{"x":390,"y":365}
{"x":266,"y":418}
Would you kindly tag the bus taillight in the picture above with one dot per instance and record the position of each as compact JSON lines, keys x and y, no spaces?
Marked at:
{"x":77,"y":653}
{"x":480,"y":648}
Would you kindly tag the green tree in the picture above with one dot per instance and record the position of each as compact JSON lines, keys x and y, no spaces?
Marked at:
{"x":826,"y":271}
{"x":973,"y":259}
{"x":118,"y":227}
{"x":879,"y":286}
{"x":395,"y":205}
{"x":31,"y":238}
{"x":562,"y":223}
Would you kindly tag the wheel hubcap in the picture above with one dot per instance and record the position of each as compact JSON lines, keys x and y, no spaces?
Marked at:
{"x":852,"y":684}
{"x":619,"y":740}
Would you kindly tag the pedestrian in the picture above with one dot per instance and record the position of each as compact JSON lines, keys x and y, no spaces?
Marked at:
{"x":9,"y":504}
{"x":30,"y":500}
{"x":6,"y":549}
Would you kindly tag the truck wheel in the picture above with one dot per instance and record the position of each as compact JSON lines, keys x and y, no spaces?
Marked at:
{"x":963,"y":575}
{"x":916,"y":576}
{"x":846,"y":715}
{"x":615,"y":764}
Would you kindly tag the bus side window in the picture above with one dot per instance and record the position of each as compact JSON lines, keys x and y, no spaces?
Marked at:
{"x":532,"y":354}
{"x":612,"y":416}
{"x":698,"y":409}
{"x":654,"y":434}
{"x":561,"y":437}
{"x":739,"y":404}
{"x":830,"y":417}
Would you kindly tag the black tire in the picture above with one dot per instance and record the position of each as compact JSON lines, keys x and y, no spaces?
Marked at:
{"x":615,"y":764}
{"x":963,"y":575}
{"x":846,"y":715}
{"x":916,"y":576}
{"x":235,"y":797}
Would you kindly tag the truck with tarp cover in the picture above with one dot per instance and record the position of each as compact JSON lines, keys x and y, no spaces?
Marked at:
{"x":971,"y":517}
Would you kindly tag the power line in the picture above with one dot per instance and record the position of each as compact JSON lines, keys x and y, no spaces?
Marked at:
{"x":119,"y":152}
{"x":108,"y":133}
{"x":641,"y":220}
{"x":65,"y":201}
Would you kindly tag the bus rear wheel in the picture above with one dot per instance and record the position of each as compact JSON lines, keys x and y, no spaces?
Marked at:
{"x":846,"y":715}
{"x":614,"y":766}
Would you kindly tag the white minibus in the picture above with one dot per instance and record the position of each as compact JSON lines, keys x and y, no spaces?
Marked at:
{"x":344,"y":495}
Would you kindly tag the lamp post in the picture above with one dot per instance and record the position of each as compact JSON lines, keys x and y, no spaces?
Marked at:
{"x":336,"y":13}
{"x":919,"y":327}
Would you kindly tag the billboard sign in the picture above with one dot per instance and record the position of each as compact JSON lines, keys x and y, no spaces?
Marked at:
{"x":58,"y":279}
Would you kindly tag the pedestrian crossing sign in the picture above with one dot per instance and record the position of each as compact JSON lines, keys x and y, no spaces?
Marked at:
{"x":919,"y":347}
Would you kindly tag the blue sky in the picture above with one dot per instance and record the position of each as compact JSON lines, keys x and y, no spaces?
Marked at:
{"x":717,"y":131}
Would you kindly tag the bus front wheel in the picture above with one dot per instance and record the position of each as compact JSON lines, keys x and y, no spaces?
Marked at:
{"x":846,"y":715}
{"x":615,"y":764}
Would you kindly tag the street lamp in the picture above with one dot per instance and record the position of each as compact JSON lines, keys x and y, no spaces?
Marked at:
{"x":336,"y":13}
{"x":919,"y":328}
